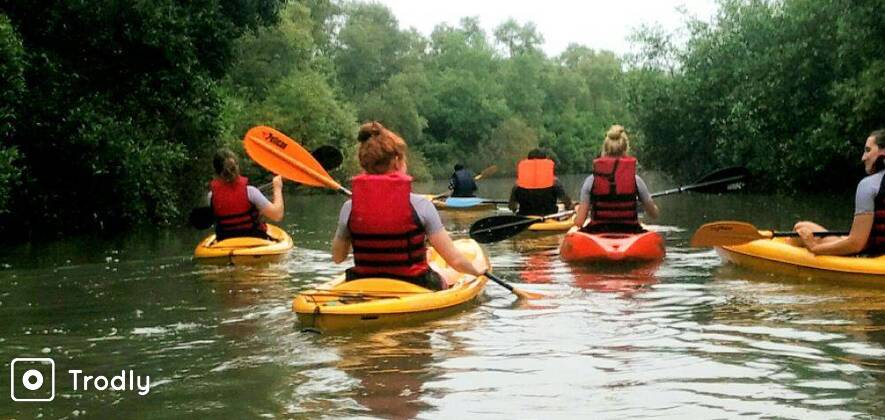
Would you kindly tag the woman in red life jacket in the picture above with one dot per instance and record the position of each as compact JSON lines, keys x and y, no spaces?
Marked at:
{"x":867,"y":233}
{"x":610,"y":195}
{"x":236,"y":205}
{"x":537,"y":189}
{"x":386,"y":224}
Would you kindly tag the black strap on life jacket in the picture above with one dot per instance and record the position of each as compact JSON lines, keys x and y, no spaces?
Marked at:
{"x":876,"y":242}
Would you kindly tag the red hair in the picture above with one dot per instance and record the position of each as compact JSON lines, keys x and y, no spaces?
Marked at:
{"x":379,"y":148}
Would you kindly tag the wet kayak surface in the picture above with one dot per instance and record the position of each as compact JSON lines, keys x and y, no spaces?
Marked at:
{"x":684,"y":337}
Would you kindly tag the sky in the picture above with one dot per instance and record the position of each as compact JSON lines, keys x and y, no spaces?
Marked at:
{"x":598,"y":24}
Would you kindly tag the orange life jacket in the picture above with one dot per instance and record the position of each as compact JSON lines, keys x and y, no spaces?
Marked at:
{"x":535,"y":191}
{"x":535,"y":174}
{"x":234,"y":214}
{"x":387,"y":236}
{"x":614,"y":194}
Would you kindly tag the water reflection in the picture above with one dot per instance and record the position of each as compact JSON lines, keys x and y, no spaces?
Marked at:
{"x":689,"y":338}
{"x":610,"y":278}
{"x":391,"y":367}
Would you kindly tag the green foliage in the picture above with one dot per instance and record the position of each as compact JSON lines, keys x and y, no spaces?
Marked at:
{"x":790,"y":89}
{"x":121,"y":96}
{"x":509,"y":143}
{"x":12,"y":90}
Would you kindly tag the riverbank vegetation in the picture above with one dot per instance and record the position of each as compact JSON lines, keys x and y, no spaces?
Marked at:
{"x":111,"y":110}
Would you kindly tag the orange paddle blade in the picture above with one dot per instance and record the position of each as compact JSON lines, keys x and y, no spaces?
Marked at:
{"x":279,"y":154}
{"x":522,"y":294}
{"x":487,"y":172}
{"x":726,"y":233}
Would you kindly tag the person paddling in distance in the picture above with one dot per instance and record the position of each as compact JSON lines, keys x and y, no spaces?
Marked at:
{"x":386,"y":224}
{"x":462,"y":182}
{"x":611,"y":193}
{"x":867,"y":233}
{"x":537,"y":189}
{"x":236,"y":205}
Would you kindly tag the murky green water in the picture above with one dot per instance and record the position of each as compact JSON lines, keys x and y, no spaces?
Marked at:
{"x":688,"y":338}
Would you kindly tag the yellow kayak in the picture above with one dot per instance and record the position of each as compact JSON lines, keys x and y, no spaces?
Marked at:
{"x":379,"y":301}
{"x":245,"y":250}
{"x":778,"y":255}
{"x":553,"y":225}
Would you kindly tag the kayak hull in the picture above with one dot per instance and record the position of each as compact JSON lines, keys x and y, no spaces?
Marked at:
{"x":243,"y":251}
{"x":372,"y":302}
{"x":583,"y":247}
{"x":779,"y":256}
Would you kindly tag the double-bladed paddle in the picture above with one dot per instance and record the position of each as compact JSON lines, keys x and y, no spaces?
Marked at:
{"x":487,"y":172}
{"x":736,"y":233}
{"x":329,"y":157}
{"x":279,"y":154}
{"x":723,"y":180}
{"x":497,"y":228}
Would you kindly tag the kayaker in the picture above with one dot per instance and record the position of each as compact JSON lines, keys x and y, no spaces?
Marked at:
{"x":462,"y":182}
{"x":537,"y":188}
{"x":236,"y":205}
{"x":611,"y":194}
{"x":386,"y":224}
{"x":867,"y":233}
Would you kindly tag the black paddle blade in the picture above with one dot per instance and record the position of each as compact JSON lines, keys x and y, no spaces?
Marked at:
{"x":497,"y":228}
{"x":329,"y":157}
{"x":738,"y":174}
{"x":201,"y":218}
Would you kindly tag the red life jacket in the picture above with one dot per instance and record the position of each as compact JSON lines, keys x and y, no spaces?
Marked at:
{"x":876,"y":241}
{"x":387,"y":236}
{"x":614,"y":195}
{"x":234,"y":214}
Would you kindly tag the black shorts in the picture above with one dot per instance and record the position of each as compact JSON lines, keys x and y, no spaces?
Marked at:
{"x":429,"y":280}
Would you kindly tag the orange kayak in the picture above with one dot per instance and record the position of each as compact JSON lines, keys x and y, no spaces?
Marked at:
{"x":578,"y":246}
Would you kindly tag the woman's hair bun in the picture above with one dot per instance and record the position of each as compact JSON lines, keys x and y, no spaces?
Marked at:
{"x":369,"y":130}
{"x":615,"y":132}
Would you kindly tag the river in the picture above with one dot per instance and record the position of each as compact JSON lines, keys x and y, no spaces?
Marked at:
{"x":688,"y":338}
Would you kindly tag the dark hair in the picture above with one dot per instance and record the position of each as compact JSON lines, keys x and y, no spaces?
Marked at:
{"x":379,"y":148}
{"x":879,"y":137}
{"x":459,"y":166}
{"x":537,"y":153}
{"x":225,"y":164}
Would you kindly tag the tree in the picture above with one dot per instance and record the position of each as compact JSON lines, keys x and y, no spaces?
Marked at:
{"x":121,"y":98}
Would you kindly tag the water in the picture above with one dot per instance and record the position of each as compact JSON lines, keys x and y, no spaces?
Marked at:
{"x":690,"y":337}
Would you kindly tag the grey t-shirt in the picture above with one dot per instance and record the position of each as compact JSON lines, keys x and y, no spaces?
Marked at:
{"x":641,"y":188}
{"x":427,"y":214}
{"x":867,"y":189}
{"x":255,"y":197}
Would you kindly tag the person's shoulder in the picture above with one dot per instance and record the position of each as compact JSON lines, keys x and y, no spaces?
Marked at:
{"x":872,"y":180}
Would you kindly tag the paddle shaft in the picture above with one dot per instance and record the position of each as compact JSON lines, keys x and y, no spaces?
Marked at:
{"x":499,"y":281}
{"x":817,"y":234}
{"x":527,"y":222}
{"x":699,"y":185}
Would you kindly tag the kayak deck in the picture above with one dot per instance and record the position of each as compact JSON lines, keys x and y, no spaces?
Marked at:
{"x":780,"y":256}
{"x":245,"y":250}
{"x":553,"y":225}
{"x":371,"y":302}
{"x":584,"y":247}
